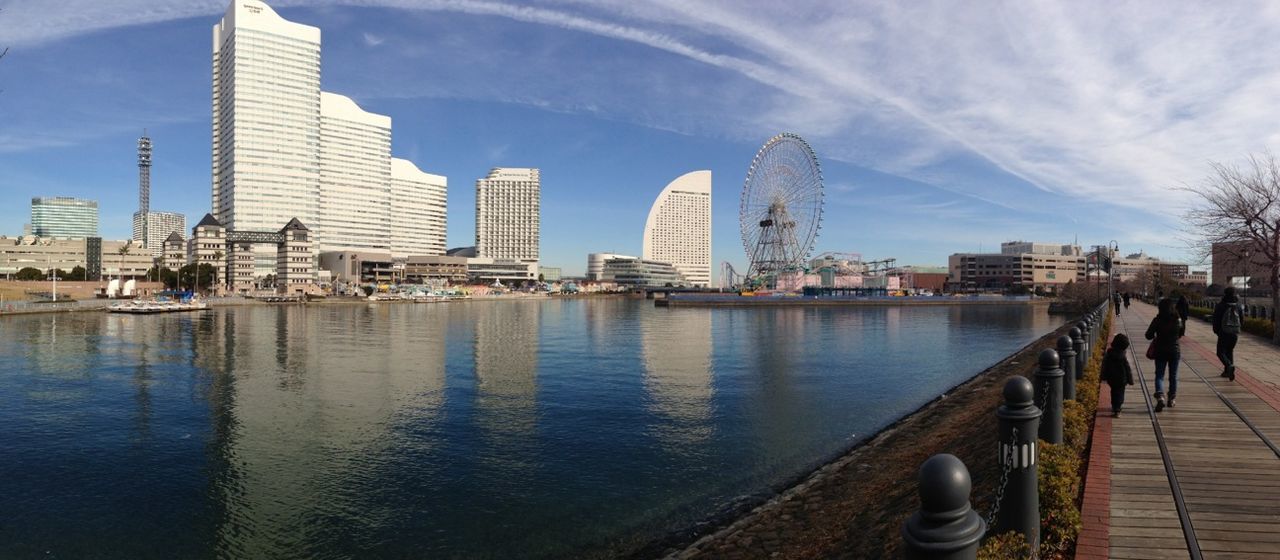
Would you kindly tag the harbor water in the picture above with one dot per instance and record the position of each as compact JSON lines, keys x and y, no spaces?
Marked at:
{"x":501,"y":429}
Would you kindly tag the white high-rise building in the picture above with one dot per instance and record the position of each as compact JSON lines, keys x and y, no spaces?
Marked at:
{"x":508,"y":214}
{"x":420,"y":201}
{"x":266,"y":119}
{"x":355,"y":177}
{"x":678,"y":230}
{"x":158,"y":226}
{"x":283,"y":149}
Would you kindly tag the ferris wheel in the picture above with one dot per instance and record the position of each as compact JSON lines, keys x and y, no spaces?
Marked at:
{"x":781,"y":209}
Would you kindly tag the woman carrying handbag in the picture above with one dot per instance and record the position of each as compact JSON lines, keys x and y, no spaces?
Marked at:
{"x":1165,"y":330}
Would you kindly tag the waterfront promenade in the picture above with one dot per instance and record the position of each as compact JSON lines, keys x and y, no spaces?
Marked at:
{"x":1200,"y":480}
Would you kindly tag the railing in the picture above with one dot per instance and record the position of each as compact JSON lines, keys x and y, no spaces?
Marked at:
{"x":946,"y":526}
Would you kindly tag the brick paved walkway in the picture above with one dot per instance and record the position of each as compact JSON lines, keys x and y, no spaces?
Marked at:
{"x":1224,"y":473}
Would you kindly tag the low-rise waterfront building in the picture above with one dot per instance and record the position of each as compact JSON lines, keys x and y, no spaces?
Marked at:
{"x":435,"y":269}
{"x":175,"y":252}
{"x":643,"y":273}
{"x":506,"y":271}
{"x":595,"y":264}
{"x":100,"y":258}
{"x":360,"y":267}
{"x":233,"y":254}
{"x":549,"y":273}
{"x":1001,"y":271}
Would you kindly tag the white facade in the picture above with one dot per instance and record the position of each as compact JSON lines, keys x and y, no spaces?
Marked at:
{"x":678,"y":230}
{"x":595,"y":264}
{"x":508,"y":214}
{"x":355,"y":177}
{"x":266,"y":119}
{"x":158,"y":226}
{"x":283,"y":149}
{"x":419,"y":201}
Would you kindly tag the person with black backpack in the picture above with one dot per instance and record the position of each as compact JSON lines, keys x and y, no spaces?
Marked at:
{"x":1228,"y":316}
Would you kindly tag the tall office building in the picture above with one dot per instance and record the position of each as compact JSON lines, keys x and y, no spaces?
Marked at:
{"x":266,"y":119}
{"x":355,"y":177}
{"x":283,"y":149}
{"x":62,"y":216}
{"x":420,"y":201}
{"x":678,"y":230}
{"x":151,"y":229}
{"x":508,"y":215}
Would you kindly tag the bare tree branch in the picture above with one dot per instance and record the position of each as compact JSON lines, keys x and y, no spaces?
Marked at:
{"x":1239,"y":216}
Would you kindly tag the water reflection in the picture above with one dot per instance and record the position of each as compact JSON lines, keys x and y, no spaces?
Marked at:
{"x":677,"y":361}
{"x":482,"y":429}
{"x":506,"y":372}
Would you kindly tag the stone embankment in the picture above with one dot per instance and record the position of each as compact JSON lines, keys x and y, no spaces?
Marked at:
{"x":854,"y":506}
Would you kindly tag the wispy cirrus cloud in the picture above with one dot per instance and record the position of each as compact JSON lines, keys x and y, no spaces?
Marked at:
{"x":1092,"y":100}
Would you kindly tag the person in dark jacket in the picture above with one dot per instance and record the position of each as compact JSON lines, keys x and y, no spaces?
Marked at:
{"x":1126,"y":300}
{"x":1184,"y":308}
{"x":1228,"y":317}
{"x":1164,"y":331}
{"x":1116,"y":371}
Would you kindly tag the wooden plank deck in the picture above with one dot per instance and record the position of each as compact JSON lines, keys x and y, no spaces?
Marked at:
{"x":1229,"y":477}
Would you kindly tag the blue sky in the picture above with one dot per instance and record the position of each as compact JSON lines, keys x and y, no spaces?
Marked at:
{"x":939,"y":130}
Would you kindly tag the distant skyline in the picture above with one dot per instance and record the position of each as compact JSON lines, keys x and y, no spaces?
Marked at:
{"x":939,"y":130}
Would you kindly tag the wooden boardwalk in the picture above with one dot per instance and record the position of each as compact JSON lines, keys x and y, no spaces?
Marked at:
{"x":1213,"y":489}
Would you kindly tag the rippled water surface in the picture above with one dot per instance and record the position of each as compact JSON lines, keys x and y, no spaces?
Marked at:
{"x":480,"y":429}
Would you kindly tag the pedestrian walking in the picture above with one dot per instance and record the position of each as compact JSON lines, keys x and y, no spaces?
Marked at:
{"x":1126,"y":300}
{"x":1228,"y":317}
{"x":1116,"y":371}
{"x":1115,"y":298}
{"x":1184,"y":308}
{"x":1163,"y":332}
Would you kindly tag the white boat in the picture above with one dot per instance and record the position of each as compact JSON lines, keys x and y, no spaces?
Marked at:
{"x":143,"y":307}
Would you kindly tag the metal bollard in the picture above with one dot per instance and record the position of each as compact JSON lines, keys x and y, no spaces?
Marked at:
{"x":1077,"y":344}
{"x":945,"y":527}
{"x":1018,"y":497}
{"x":1067,"y":359}
{"x":1048,"y":380}
{"x":1084,"y":350}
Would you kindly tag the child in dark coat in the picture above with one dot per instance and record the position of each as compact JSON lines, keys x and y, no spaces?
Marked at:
{"x":1116,"y":371}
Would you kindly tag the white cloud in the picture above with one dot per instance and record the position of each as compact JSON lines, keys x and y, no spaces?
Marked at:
{"x":1097,"y":100}
{"x":371,"y":40}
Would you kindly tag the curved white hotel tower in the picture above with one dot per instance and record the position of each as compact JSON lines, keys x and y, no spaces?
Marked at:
{"x":678,"y":230}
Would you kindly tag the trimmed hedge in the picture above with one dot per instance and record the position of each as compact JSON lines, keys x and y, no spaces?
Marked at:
{"x":1061,"y":482}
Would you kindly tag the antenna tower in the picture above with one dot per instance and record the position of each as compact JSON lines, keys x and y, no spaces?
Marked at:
{"x":144,"y":181}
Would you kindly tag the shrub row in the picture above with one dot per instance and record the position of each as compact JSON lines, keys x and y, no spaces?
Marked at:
{"x":1061,"y":481}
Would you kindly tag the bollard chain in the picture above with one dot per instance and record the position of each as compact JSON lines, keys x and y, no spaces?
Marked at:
{"x":1044,"y":392}
{"x":1004,"y":478}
